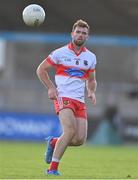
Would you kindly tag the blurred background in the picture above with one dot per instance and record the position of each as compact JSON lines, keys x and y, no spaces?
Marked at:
{"x":26,"y":113}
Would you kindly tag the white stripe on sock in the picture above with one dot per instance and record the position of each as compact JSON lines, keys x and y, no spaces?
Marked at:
{"x":55,"y":159}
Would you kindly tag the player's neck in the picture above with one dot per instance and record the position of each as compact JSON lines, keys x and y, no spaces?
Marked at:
{"x":77,"y":48}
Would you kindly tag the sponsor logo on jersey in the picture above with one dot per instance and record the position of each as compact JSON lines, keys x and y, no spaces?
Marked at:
{"x":75,"y":72}
{"x":64,"y":58}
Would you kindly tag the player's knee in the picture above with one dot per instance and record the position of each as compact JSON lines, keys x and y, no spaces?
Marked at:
{"x":80,"y":141}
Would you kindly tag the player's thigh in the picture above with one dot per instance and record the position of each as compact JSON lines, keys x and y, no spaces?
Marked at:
{"x":67,"y":119}
{"x":82,"y":127}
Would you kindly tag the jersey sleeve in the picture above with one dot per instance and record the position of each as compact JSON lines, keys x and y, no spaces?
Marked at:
{"x":93,"y":65}
{"x":52,"y":58}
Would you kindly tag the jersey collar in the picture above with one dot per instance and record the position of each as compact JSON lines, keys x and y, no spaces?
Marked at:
{"x":71,"y":47}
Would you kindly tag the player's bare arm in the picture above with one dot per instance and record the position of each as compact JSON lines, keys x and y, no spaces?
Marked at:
{"x":42,"y":72}
{"x":91,"y":85}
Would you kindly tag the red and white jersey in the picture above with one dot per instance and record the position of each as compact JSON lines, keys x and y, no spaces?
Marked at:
{"x":72,"y":70}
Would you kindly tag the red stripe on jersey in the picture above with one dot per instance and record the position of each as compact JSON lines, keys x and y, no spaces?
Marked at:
{"x":61,"y":70}
{"x":50,"y":61}
{"x":92,"y":70}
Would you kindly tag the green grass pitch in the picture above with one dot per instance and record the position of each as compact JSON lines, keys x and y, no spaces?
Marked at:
{"x":26,"y":161}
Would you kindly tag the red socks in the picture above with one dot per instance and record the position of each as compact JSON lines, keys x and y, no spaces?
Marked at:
{"x":53,"y":165}
{"x":55,"y":162}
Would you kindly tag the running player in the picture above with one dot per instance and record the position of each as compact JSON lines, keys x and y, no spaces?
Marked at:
{"x":75,"y":70}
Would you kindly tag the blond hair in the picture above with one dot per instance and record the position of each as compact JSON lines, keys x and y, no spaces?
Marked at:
{"x":80,"y":23}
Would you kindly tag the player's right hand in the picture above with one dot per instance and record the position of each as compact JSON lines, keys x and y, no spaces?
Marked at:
{"x":52,"y":93}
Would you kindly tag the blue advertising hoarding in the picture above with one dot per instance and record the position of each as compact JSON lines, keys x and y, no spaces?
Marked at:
{"x":28,"y":126}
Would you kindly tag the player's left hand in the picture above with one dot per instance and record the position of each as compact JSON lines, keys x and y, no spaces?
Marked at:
{"x":92,"y":96}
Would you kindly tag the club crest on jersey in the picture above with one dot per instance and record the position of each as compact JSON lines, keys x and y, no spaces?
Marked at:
{"x":85,"y":62}
{"x":66,"y":102}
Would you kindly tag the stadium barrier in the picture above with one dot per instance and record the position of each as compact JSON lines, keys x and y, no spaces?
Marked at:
{"x":27,"y":126}
{"x":124,"y":41}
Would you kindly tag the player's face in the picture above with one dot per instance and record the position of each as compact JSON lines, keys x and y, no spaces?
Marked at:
{"x":80,"y":35}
